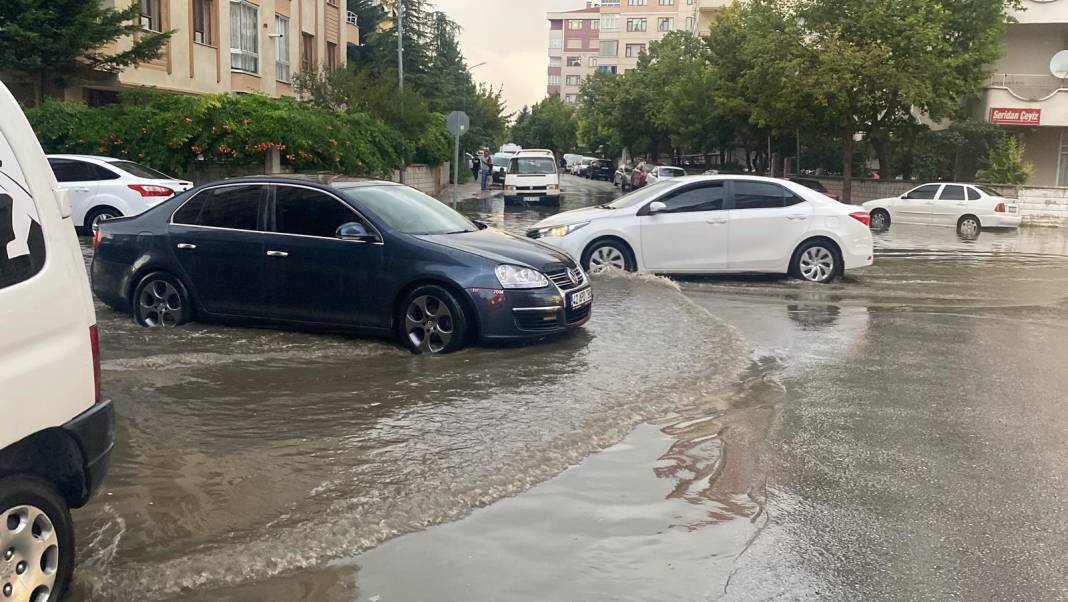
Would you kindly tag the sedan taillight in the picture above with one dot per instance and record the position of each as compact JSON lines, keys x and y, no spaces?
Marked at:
{"x":862,"y":217}
{"x":151,"y":190}
{"x":96,"y":238}
{"x":999,"y":208}
{"x":94,"y":343}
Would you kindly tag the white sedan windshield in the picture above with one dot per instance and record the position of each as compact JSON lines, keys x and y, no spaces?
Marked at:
{"x":640,"y":195}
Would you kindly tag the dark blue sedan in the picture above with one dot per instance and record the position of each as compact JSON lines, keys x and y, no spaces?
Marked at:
{"x":367,"y":256}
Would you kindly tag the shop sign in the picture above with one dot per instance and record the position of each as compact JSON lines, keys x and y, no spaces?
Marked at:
{"x":1010,"y":116}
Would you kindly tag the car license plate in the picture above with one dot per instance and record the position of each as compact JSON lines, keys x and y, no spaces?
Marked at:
{"x":1012,"y":209}
{"x":532,"y":199}
{"x":581,"y":298}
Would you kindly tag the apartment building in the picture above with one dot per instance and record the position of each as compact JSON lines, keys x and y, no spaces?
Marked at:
{"x":610,"y":36}
{"x":1025,"y":97}
{"x":222,"y":46}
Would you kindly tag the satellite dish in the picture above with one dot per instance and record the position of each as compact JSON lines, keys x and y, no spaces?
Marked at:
{"x":1058,"y":65}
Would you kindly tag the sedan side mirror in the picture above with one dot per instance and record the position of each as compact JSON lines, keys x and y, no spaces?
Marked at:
{"x":657,"y":207}
{"x":355,"y":232}
{"x":481,"y":225}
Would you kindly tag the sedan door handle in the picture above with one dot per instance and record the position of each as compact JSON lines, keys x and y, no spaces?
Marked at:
{"x":797,"y":217}
{"x":717,"y":221}
{"x":277,"y":254}
{"x":81,"y":190}
{"x":185,"y":245}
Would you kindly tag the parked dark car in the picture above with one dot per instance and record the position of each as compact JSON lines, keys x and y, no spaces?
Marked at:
{"x":814,"y":185}
{"x":601,"y":169}
{"x":367,"y":256}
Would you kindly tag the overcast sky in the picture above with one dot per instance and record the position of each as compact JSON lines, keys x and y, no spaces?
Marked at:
{"x":512,"y":36}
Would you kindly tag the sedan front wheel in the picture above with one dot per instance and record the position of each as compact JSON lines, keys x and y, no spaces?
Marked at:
{"x":607,"y":255}
{"x":433,"y":321}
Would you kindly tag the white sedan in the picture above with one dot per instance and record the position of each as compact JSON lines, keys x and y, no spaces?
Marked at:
{"x":716,"y":224}
{"x":969,"y":207}
{"x":102,"y":188}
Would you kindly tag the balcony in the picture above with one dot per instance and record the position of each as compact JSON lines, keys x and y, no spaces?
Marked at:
{"x":714,"y":4}
{"x":1014,"y":91}
{"x":352,"y":29}
{"x":1042,"y":11}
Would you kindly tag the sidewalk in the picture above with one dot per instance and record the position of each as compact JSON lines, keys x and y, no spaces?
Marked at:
{"x":468,"y":191}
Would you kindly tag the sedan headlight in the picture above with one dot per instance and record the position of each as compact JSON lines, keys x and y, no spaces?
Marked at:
{"x":560,"y":231}
{"x":513,"y":276}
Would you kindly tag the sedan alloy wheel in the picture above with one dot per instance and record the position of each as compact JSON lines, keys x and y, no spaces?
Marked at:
{"x":817,"y":264}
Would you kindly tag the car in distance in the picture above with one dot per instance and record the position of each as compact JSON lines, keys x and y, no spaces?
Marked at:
{"x":601,"y":169}
{"x":622,"y":175}
{"x":103,"y":188}
{"x":58,"y":432}
{"x":814,"y":185}
{"x":582,"y":166}
{"x":532,"y":178}
{"x":500,"y":166}
{"x":969,"y":207}
{"x":716,"y":224}
{"x":363,"y":256}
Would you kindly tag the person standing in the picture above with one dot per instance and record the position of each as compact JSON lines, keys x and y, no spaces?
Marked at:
{"x":487,"y":169}
{"x":475,"y":166}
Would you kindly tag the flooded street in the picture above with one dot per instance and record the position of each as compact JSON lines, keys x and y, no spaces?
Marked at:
{"x":897,"y":435}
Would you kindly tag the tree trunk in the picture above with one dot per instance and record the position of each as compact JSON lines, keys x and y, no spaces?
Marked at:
{"x":847,"y":167}
{"x":882,"y":152}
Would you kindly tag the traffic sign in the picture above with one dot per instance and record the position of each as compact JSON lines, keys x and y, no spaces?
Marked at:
{"x":459,"y":123}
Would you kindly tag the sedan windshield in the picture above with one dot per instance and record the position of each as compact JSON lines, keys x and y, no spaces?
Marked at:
{"x":407,"y":210}
{"x":139,"y":170}
{"x":671,"y":172}
{"x":533,"y":166}
{"x":640,"y":195}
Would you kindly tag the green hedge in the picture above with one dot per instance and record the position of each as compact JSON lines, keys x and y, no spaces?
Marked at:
{"x":173,"y":133}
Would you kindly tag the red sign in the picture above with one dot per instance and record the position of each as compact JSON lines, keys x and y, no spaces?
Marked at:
{"x":1007,"y":116}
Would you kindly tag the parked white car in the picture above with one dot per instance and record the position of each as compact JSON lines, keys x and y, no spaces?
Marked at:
{"x":57,"y":433}
{"x":104,"y":188}
{"x":532,"y":178}
{"x":663,"y":172}
{"x":716,"y":224}
{"x":969,"y":207}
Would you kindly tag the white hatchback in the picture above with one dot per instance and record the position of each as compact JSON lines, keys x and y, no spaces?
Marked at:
{"x":969,"y":207}
{"x":716,"y":224}
{"x":102,"y":188}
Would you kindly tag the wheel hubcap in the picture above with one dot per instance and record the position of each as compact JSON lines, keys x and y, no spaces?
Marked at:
{"x":100,"y":218}
{"x":428,"y":324}
{"x":878,"y":221}
{"x":31,"y":554}
{"x":159,"y":304}
{"x":817,"y":264}
{"x":969,"y":227}
{"x":607,"y":258}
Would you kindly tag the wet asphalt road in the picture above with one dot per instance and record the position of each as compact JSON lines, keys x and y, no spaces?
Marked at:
{"x":898,"y":435}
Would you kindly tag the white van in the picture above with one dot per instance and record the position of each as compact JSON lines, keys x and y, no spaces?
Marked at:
{"x":532,"y":178}
{"x":57,"y":432}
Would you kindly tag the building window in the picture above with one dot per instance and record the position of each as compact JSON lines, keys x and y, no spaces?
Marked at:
{"x":665,"y":24}
{"x":574,"y":23}
{"x":593,"y":61}
{"x":244,"y":37}
{"x":99,"y":98}
{"x":595,"y":24}
{"x":609,"y":48}
{"x":554,"y":80}
{"x":574,"y":43}
{"x":667,"y":2}
{"x":331,"y":56}
{"x":281,"y":48}
{"x":574,"y":61}
{"x":634,"y":50}
{"x":555,"y":42}
{"x":610,"y":23}
{"x":307,"y":52}
{"x":573,"y":80}
{"x":1062,"y":171}
{"x":202,"y":22}
{"x":690,"y":21}
{"x":571,"y":98}
{"x":607,"y":69}
{"x":151,"y":15}
{"x":554,"y":61}
{"x":635,"y":2}
{"x":637,"y":24}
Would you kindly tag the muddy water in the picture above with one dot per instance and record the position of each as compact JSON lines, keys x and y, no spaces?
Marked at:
{"x":248,"y":453}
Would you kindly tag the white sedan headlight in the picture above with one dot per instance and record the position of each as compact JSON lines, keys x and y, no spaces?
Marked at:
{"x":560,"y":231}
{"x":513,"y":276}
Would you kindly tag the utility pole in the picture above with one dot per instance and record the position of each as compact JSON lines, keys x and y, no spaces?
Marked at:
{"x":400,"y":68}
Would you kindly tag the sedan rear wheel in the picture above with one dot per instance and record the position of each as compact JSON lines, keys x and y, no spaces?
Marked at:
{"x":816,"y":261}
{"x":433,"y":321}
{"x":880,"y":220}
{"x":160,"y":301}
{"x":969,"y":227}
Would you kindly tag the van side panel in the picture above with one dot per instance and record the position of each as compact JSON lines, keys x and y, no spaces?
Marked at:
{"x":46,"y":366}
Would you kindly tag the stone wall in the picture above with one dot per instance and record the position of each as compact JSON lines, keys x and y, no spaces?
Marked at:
{"x":1038,"y":206}
{"x":431,"y":179}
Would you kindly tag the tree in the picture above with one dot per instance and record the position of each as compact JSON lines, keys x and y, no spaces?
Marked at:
{"x":1005,"y":164}
{"x":50,"y":41}
{"x":551,"y":125}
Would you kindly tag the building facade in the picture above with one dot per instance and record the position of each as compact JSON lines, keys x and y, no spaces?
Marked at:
{"x":1025,"y":97}
{"x":222,"y":46}
{"x":573,"y":50}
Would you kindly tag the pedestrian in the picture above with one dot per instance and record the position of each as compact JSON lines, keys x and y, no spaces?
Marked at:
{"x":475,"y":166}
{"x":487,"y":169}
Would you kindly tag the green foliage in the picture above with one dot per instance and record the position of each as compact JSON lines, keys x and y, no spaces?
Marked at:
{"x":173,"y":133}
{"x":50,"y":41}
{"x":550,"y":124}
{"x":1005,"y":164}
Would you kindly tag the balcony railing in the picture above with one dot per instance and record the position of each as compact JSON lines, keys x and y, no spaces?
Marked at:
{"x":1026,"y":87}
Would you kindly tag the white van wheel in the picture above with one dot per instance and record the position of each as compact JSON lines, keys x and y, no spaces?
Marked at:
{"x":36,"y":541}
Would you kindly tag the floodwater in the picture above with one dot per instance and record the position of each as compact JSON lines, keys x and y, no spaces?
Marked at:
{"x":895,"y":435}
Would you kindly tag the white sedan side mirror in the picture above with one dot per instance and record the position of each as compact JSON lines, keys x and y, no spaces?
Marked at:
{"x":657,"y":207}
